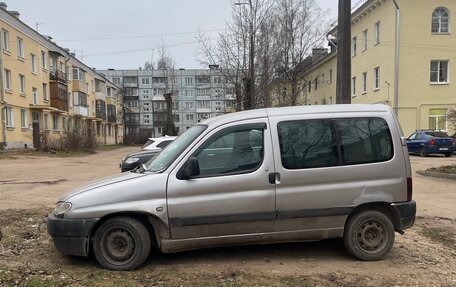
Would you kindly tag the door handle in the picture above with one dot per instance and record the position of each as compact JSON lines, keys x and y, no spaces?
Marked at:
{"x":274,"y":177}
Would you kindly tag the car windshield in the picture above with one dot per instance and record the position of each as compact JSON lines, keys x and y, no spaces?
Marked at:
{"x":174,"y":149}
{"x":437,"y":134}
{"x":148,"y":142}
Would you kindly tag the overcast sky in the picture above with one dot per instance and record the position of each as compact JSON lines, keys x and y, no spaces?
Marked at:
{"x":121,"y":34}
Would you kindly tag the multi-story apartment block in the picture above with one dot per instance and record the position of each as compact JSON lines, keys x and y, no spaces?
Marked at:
{"x":196,"y":94}
{"x":419,"y":41}
{"x":45,"y":90}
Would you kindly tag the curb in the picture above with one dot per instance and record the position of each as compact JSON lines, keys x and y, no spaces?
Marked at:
{"x":436,"y":174}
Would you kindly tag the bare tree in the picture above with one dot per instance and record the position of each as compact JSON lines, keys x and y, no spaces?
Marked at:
{"x":232,"y":49}
{"x":300,"y":25}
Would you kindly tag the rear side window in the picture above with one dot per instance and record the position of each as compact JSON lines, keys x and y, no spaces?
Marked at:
{"x":438,"y":134}
{"x":307,"y":144}
{"x":364,"y":140}
{"x":163,"y":144}
{"x":326,"y":143}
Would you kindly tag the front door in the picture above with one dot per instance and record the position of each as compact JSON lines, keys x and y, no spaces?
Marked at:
{"x":36,"y":130}
{"x":232,"y":195}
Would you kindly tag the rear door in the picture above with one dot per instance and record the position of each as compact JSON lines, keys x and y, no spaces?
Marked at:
{"x":232,"y":195}
{"x":322,"y":181}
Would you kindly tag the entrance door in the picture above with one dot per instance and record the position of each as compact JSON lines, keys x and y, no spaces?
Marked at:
{"x":232,"y":195}
{"x":36,"y":130}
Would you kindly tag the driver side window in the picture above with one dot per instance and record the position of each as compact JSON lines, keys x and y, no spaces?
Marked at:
{"x":231,"y":151}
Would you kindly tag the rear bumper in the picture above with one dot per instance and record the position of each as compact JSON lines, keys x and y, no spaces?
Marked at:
{"x":439,"y":149}
{"x":70,"y":236}
{"x":406,"y":212}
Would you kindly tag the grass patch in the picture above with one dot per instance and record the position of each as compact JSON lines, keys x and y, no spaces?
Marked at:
{"x":450,"y":169}
{"x":440,"y":235}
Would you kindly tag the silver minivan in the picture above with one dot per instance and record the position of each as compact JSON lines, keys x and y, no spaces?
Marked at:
{"x":261,"y":176}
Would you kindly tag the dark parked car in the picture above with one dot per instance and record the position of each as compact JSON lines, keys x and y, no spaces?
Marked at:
{"x":425,"y":142}
{"x":134,"y":160}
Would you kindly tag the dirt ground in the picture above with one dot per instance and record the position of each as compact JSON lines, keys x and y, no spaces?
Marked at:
{"x":29,"y":186}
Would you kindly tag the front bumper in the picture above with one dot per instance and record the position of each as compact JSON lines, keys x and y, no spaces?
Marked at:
{"x":406,"y":212}
{"x":71,"y":236}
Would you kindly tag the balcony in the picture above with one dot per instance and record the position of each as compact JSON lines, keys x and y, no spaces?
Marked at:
{"x":203,"y":110}
{"x":57,"y":75}
{"x":59,"y":96}
{"x":111,"y":113}
{"x":81,"y":111}
{"x":80,"y":86}
{"x":101,"y":109}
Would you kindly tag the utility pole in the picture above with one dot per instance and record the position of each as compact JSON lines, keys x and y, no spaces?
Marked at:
{"x":343,"y":91}
{"x":252,"y":98}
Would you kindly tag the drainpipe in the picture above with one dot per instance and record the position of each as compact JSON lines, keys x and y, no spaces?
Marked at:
{"x":2,"y":102}
{"x":396,"y":59}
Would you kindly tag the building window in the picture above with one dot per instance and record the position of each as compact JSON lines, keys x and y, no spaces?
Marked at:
{"x":145,"y":81}
{"x":20,"y":48}
{"x":438,"y":119}
{"x":439,"y":71}
{"x":8,"y":86}
{"x":5,"y":40}
{"x":9,"y":117}
{"x":45,"y":93}
{"x":46,"y":126}
{"x":55,"y":121}
{"x":353,"y":86}
{"x":330,"y":75}
{"x":377,"y":78}
{"x":316,"y":83}
{"x":188,"y":80}
{"x":43,"y":60}
{"x":189,"y":105}
{"x":377,"y":32}
{"x":440,"y":21}
{"x":33,"y":62}
{"x":116,"y":81}
{"x":35,"y":96}
{"x":364,"y":82}
{"x":22,"y":84}
{"x":364,"y":40}
{"x":189,"y":117}
{"x":24,"y":119}
{"x":354,"y":46}
{"x":310,"y":86}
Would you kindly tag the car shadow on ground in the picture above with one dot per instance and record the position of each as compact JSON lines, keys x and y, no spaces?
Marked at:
{"x":333,"y":249}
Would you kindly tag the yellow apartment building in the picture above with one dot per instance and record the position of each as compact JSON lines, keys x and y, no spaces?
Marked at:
{"x":45,"y":90}
{"x":423,"y":32}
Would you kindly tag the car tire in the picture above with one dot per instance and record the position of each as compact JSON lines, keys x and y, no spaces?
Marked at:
{"x":448,"y":154}
{"x":369,"y":235}
{"x":121,"y":243}
{"x":423,"y":152}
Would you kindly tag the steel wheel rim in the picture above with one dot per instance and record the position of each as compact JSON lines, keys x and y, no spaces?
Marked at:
{"x":372,"y":236}
{"x":118,"y":246}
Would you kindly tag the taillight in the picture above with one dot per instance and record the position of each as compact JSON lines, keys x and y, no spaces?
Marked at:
{"x":432,"y":142}
{"x":409,"y":188}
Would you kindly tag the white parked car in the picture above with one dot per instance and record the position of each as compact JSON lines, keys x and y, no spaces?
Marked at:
{"x":158,"y":143}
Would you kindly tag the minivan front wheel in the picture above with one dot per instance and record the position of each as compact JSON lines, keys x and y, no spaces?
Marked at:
{"x":121,"y":243}
{"x":369,"y":235}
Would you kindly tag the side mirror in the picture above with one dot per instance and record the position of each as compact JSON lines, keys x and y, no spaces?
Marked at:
{"x":189,"y":169}
{"x":404,"y":141}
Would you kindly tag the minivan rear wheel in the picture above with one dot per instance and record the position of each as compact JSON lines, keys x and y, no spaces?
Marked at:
{"x":121,"y":243}
{"x":369,"y":235}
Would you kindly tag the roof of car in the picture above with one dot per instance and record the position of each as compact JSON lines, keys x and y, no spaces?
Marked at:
{"x":163,"y":138}
{"x":315,"y":109}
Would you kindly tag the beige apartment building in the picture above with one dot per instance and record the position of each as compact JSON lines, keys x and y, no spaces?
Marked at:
{"x":423,"y":32}
{"x":45,"y":90}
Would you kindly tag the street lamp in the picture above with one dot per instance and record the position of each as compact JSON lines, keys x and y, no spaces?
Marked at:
{"x":251,"y":56}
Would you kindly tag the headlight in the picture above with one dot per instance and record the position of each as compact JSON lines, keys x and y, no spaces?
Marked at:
{"x":61,"y":208}
{"x":131,"y":160}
